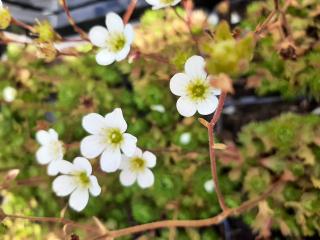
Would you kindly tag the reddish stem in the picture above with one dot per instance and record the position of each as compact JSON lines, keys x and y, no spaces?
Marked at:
{"x":130,"y":10}
{"x":81,"y":32}
{"x":213,"y":161}
{"x":22,"y":24}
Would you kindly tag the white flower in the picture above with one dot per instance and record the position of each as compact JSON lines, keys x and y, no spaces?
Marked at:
{"x":9,"y":94}
{"x":209,"y":186}
{"x":137,"y":167}
{"x":185,"y":138}
{"x":51,"y":150}
{"x":158,"y":108}
{"x":194,"y":89}
{"x":114,"y":41}
{"x":108,"y":137}
{"x":77,"y":182}
{"x":156,"y":4}
{"x":213,"y":19}
{"x":235,"y":18}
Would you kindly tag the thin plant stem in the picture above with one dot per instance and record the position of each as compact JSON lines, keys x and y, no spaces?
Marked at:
{"x":213,"y":161}
{"x":22,"y":24}
{"x":128,"y":14}
{"x":194,"y":223}
{"x":188,"y":24}
{"x":81,"y":32}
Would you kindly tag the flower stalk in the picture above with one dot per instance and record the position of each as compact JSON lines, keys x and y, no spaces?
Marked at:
{"x":213,"y":161}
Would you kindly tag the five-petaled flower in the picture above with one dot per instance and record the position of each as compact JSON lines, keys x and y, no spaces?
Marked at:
{"x":77,"y":182}
{"x":194,"y":89}
{"x":108,"y":137}
{"x":157,"y":4}
{"x":51,"y":150}
{"x":114,"y":41}
{"x":137,"y":167}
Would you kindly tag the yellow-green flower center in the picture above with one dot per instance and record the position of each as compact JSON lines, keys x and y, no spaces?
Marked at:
{"x":166,"y":1}
{"x":114,"y":136}
{"x":197,"y":90}
{"x":137,"y":164}
{"x":116,"y":42}
{"x":84,"y":179}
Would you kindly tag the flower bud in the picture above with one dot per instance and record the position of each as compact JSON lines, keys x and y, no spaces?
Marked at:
{"x":45,"y":31}
{"x":5,"y":18}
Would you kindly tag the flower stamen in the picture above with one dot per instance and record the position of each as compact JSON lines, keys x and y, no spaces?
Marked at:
{"x":84,"y":180}
{"x":114,"y":137}
{"x":197,"y":90}
{"x":116,"y":42}
{"x":137,"y":164}
{"x":166,"y":1}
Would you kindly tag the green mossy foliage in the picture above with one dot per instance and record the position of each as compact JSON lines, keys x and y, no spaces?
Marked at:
{"x":288,"y":143}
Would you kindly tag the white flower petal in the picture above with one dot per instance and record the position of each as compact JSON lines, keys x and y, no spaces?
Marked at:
{"x":53,"y":134}
{"x":127,"y":178}
{"x":216,"y":91}
{"x":137,"y":152}
{"x":63,"y":166}
{"x":178,"y":84}
{"x":125,"y":163}
{"x":79,"y":199}
{"x":195,"y":67}
{"x":129,"y":33}
{"x":146,"y":178}
{"x":115,"y":120}
{"x":43,"y":137}
{"x":156,"y":7}
{"x":92,"y":146}
{"x":110,"y":160}
{"x":150,"y":158}
{"x":114,"y":22}
{"x":93,"y":123}
{"x":153,"y":2}
{"x":123,"y":53}
{"x":64,"y":185}
{"x":129,"y":144}
{"x":98,"y":36}
{"x":105,"y":57}
{"x":94,"y":189}
{"x":81,"y":164}
{"x":175,"y":2}
{"x":186,"y":107}
{"x":54,"y":167}
{"x":43,"y":155}
{"x":208,"y":106}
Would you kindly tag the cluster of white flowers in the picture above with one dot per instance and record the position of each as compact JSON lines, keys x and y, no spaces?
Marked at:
{"x":118,"y":152}
{"x":108,"y":138}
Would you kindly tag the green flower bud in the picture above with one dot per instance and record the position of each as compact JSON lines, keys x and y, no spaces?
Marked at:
{"x":45,"y":32}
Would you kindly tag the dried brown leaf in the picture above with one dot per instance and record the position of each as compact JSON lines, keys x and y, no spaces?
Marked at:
{"x":223,"y":82}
